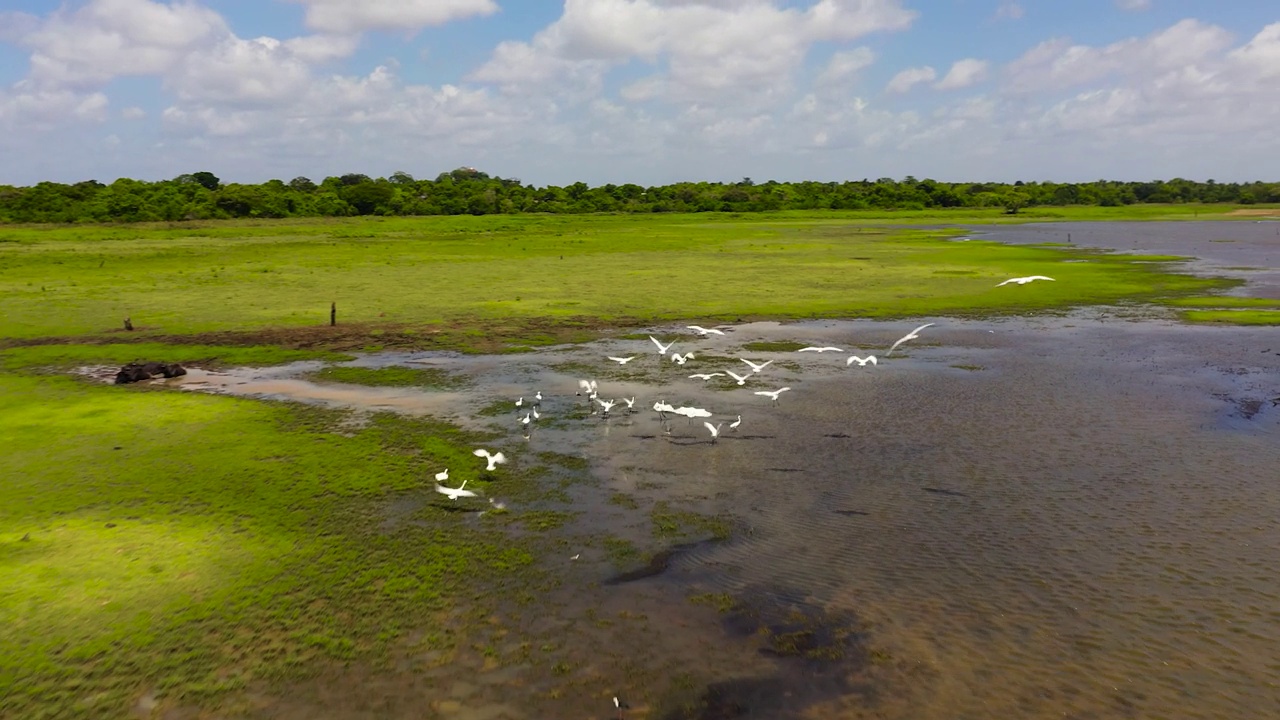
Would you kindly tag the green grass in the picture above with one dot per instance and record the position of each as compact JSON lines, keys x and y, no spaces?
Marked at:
{"x":193,"y":544}
{"x":1224,"y":301}
{"x":469,"y":277}
{"x":1233,"y":317}
{"x":432,"y":378}
{"x":64,"y":357}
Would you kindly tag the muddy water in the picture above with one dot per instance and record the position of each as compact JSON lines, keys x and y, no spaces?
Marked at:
{"x":1027,"y":518}
{"x":1246,"y":249}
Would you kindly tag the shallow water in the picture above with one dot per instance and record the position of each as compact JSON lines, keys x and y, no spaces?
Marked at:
{"x":1028,"y":518}
{"x":1234,"y":248}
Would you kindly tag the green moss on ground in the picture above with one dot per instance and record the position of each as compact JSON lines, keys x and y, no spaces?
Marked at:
{"x":431,"y":378}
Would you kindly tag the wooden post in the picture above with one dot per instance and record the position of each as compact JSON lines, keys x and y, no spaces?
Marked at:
{"x":333,"y":314}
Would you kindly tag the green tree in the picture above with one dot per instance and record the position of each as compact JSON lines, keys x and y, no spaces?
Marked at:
{"x":207,"y":179}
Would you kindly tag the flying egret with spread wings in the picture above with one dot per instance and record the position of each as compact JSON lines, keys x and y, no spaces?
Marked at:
{"x":1025,"y":280}
{"x":495,"y":459}
{"x":909,"y":336}
{"x":772,"y":394}
{"x":662,"y":349}
{"x":455,"y":493}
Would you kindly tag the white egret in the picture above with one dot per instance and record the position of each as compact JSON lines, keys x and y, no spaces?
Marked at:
{"x":622,"y":360}
{"x":575,"y":557}
{"x":679,"y":359}
{"x":525,"y":420}
{"x":772,"y":394}
{"x":861,"y":361}
{"x":495,"y":459}
{"x":1025,"y":280}
{"x":662,"y":349}
{"x":692,"y":412}
{"x":455,"y":493}
{"x":704,"y":331}
{"x":663,"y":408}
{"x":756,"y":367}
{"x":820,"y":349}
{"x":606,"y":404}
{"x":537,"y":399}
{"x":705,"y":376}
{"x":909,"y":336}
{"x":734,"y":425}
{"x":442,"y":476}
{"x":713,"y":429}
{"x":588,"y":385}
{"x":742,"y":379}
{"x":631,"y":403}
{"x":519,"y":403}
{"x":535,"y":414}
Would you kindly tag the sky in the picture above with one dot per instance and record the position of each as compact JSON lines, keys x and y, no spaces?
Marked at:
{"x":643,"y":91}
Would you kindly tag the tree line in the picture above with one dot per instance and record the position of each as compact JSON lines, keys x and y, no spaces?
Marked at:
{"x":467,"y":191}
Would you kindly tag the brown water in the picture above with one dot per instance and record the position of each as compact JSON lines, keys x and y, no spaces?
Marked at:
{"x":1026,"y":518}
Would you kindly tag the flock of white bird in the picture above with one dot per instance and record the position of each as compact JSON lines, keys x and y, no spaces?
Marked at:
{"x":590,"y":388}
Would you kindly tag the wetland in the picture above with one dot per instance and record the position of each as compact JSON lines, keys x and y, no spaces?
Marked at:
{"x":1059,"y":500}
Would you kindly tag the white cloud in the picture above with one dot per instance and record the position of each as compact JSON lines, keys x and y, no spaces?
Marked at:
{"x":909,"y":78}
{"x":1010,"y":9}
{"x":845,"y":65}
{"x":963,"y":73}
{"x":1133,"y":5}
{"x":28,"y":104}
{"x":133,"y":113}
{"x":352,"y":17}
{"x":1057,"y":64}
{"x":113,"y":38}
{"x":236,"y":72}
{"x":735,"y":53}
{"x":322,"y":48}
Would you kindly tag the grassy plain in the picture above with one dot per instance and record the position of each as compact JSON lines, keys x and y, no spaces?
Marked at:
{"x":188,"y":546}
{"x":475,"y":275}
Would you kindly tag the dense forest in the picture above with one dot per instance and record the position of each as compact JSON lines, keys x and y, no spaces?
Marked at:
{"x":467,"y":191}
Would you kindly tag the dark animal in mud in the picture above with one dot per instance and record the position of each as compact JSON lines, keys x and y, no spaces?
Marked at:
{"x":136,"y":372}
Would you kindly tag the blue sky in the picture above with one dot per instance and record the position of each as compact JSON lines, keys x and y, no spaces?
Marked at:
{"x":647,"y":91}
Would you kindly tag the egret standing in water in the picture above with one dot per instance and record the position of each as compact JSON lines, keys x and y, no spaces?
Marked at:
{"x":734,"y":425}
